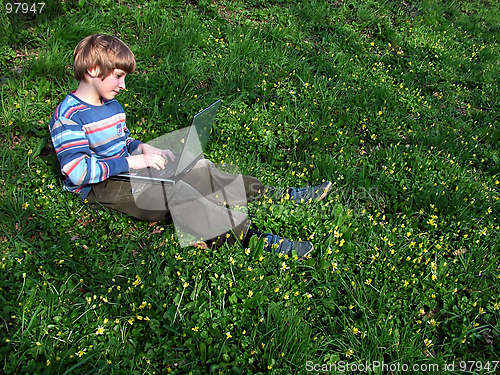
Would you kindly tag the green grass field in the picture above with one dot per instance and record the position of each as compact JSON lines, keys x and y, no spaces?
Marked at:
{"x":394,"y":101}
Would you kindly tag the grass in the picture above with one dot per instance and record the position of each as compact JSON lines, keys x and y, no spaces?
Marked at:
{"x":394,"y":101}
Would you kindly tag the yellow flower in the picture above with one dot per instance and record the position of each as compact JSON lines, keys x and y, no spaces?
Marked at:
{"x":250,"y":293}
{"x":38,"y":344}
{"x":137,"y":280}
{"x":368,"y":282}
{"x":228,"y":335}
{"x":99,"y":331}
{"x":195,"y":329}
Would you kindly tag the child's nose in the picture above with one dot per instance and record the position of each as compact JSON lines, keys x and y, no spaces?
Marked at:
{"x":121,"y":83}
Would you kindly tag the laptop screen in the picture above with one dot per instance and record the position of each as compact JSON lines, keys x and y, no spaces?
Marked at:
{"x":203,"y":121}
{"x":198,"y":135}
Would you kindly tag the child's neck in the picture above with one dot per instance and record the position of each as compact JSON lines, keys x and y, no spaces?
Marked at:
{"x":87,"y":93}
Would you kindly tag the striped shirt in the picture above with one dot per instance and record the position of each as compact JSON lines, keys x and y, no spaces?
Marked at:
{"x":91,"y":142}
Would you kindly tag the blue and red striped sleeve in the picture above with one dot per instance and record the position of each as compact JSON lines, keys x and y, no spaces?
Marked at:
{"x":91,"y":142}
{"x":78,"y":165}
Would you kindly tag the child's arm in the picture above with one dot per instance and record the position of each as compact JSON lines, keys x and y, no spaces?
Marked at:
{"x":131,"y":143}
{"x":73,"y":152}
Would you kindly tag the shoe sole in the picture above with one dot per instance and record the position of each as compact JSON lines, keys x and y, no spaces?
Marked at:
{"x":325,"y":192}
{"x":303,"y":256}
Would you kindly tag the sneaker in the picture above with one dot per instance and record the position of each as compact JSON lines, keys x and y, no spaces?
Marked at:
{"x":304,"y":194}
{"x":285,"y":246}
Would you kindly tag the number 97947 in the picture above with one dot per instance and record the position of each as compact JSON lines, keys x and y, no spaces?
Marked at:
{"x":473,"y":366}
{"x":24,"y":7}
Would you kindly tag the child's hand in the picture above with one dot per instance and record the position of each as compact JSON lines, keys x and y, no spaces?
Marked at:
{"x":146,"y":160}
{"x":167,"y":154}
{"x":147,"y":149}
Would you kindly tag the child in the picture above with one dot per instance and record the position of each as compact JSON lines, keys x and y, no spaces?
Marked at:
{"x":92,"y":143}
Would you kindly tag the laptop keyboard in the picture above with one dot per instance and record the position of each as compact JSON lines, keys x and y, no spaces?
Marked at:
{"x":169,"y":169}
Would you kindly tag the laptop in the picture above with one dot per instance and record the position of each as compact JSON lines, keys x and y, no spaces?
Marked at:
{"x":186,"y":144}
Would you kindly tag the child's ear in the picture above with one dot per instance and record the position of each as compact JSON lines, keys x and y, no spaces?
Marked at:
{"x":94,"y":72}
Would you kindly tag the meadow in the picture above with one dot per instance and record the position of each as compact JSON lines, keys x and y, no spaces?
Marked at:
{"x":394,"y":101}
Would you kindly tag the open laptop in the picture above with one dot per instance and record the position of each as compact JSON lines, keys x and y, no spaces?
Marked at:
{"x":186,"y":144}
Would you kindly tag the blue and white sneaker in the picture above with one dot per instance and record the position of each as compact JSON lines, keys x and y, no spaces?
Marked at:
{"x":277,"y":244}
{"x":310,"y":193}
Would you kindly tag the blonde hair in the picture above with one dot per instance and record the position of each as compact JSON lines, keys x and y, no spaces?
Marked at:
{"x":105,"y":52}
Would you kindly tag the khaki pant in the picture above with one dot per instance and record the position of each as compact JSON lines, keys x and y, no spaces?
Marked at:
{"x":207,"y":204}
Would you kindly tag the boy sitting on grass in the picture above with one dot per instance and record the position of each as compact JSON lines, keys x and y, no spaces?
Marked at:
{"x":92,"y":143}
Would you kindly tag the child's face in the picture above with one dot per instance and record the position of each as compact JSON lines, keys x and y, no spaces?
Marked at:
{"x":111,"y":85}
